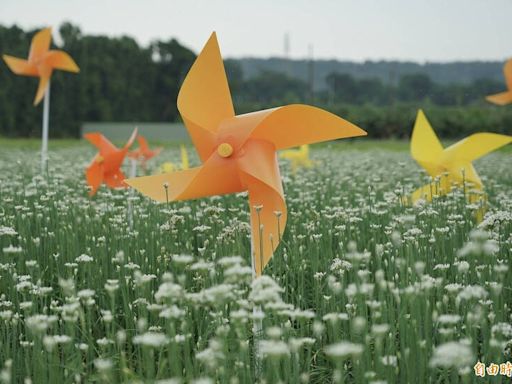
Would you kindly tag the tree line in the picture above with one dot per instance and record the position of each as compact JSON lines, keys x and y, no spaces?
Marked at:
{"x":271,"y":87}
{"x":123,"y":81}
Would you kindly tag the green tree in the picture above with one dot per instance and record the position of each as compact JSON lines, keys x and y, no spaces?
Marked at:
{"x":415,"y":87}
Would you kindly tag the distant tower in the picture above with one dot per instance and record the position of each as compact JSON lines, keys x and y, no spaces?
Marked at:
{"x":286,"y":59}
{"x":286,"y":45}
{"x":311,"y":73}
{"x":392,"y":84}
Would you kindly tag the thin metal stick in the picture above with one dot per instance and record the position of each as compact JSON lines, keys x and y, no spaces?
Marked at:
{"x":133,"y":173}
{"x":257,"y":324}
{"x":46,"y":121}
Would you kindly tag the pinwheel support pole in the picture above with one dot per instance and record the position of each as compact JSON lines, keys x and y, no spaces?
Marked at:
{"x":133,"y":173}
{"x":257,"y":325}
{"x":46,"y":121}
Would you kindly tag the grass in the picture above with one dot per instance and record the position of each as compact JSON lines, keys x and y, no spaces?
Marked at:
{"x":361,"y":290}
{"x":361,"y":144}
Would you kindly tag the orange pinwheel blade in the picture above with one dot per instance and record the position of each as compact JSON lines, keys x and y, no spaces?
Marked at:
{"x":115,"y":179}
{"x":143,"y":144}
{"x":259,"y":171}
{"x":61,"y":60}
{"x":297,"y":124}
{"x":216,"y":177}
{"x":502,"y":98}
{"x":157,"y":151}
{"x":507,"y":72}
{"x":40,"y":44}
{"x":101,"y":142}
{"x":287,"y":127}
{"x":20,"y":66}
{"x":204,"y":99}
{"x":94,"y":176}
{"x":114,"y":160}
{"x":135,"y":154}
{"x":44,"y":79}
{"x":144,"y":151}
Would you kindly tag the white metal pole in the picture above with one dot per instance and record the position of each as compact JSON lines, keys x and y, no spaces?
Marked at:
{"x":257,"y":323}
{"x":46,"y":121}
{"x":133,"y":173}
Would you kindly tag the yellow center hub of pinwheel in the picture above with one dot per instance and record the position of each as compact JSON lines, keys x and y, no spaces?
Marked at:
{"x":225,"y":150}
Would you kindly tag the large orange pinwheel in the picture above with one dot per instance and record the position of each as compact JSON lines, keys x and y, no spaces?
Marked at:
{"x":144,"y":153}
{"x":41,"y":62}
{"x":504,"y":98}
{"x":239,"y":151}
{"x":105,"y":167}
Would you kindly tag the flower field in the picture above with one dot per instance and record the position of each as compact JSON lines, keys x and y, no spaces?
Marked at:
{"x":362,"y":289}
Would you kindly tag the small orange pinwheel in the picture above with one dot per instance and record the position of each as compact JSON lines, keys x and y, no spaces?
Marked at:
{"x":105,"y":167}
{"x":239,"y":151}
{"x":143,"y":152}
{"x":504,"y":98}
{"x":41,"y":62}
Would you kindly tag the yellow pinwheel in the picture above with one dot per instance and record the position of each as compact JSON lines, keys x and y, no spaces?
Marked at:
{"x":298,"y":157}
{"x":452,"y":165}
{"x":169,"y":166}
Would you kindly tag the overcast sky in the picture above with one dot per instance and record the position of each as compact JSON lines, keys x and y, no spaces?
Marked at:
{"x":419,"y":30}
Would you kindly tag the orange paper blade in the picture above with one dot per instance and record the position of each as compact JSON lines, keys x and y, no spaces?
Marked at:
{"x":507,"y":72}
{"x":216,"y":177}
{"x":115,"y":179}
{"x":143,"y":144}
{"x":297,"y":124}
{"x":288,"y":126}
{"x":20,"y":66}
{"x":94,"y":175}
{"x":113,"y":161}
{"x":259,"y":171}
{"x":204,"y":99}
{"x":156,"y":151}
{"x":101,"y":142}
{"x":61,"y":60}
{"x":44,"y":79}
{"x":40,"y":44}
{"x":502,"y":98}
